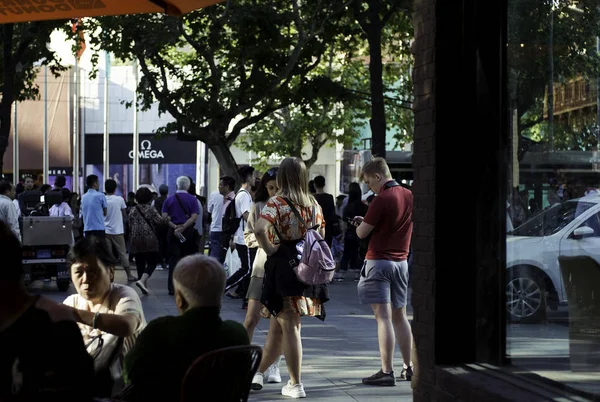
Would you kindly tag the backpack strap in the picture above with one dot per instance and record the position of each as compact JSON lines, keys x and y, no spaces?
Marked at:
{"x":295,"y":211}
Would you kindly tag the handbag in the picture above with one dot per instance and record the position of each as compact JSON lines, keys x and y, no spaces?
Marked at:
{"x":107,"y":362}
{"x":107,"y":353}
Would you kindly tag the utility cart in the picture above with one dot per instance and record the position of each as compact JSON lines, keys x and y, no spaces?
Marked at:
{"x":46,"y":243}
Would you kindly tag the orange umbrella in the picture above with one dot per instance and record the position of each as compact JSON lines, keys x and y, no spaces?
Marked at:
{"x":36,"y":10}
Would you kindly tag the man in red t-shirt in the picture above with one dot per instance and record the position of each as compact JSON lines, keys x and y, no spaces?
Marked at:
{"x":384,"y":277}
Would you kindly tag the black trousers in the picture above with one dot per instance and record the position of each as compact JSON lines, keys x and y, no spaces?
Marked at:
{"x":177,"y":251}
{"x":351,"y":254}
{"x":146,"y":263}
{"x":241,"y":278}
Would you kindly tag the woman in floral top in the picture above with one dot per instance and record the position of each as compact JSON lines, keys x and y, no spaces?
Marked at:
{"x":284,"y":296}
{"x":143,"y":243}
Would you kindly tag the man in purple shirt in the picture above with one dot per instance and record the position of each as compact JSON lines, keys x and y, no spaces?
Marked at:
{"x":182,"y":210}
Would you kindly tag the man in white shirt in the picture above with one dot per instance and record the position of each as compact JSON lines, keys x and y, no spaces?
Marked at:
{"x":217,"y":206}
{"x":215,"y":209}
{"x":243,"y":204}
{"x":8,"y":213}
{"x":113,"y":225}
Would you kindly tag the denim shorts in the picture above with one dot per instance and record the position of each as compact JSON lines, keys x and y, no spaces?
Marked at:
{"x":383,"y":281}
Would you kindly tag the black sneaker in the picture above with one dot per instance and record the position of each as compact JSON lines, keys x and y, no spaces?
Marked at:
{"x":407,"y":373}
{"x":381,"y":379}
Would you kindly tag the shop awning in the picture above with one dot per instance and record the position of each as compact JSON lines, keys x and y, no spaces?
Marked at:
{"x":37,"y":10}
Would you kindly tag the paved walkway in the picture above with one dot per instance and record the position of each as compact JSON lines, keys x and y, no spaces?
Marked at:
{"x":337,"y":352}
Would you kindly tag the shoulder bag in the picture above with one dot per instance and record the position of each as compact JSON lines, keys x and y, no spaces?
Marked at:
{"x":190,"y":233}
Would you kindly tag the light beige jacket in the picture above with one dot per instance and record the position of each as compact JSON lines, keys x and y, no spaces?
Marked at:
{"x":258,"y":268}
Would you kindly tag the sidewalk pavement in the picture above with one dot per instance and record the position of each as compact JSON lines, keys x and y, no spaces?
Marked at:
{"x":338,"y":353}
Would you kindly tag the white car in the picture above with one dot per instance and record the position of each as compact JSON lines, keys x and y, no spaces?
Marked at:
{"x":534,"y":281}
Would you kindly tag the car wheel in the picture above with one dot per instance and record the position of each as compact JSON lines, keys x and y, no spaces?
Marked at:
{"x":525,"y":297}
{"x":63,"y":285}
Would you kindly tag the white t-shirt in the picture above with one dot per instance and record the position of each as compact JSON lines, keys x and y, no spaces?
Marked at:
{"x":243,"y":204}
{"x":120,"y":300}
{"x":113,"y":221}
{"x":215,"y":208}
{"x":198,"y":224}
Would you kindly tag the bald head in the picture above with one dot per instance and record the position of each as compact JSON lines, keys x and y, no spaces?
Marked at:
{"x":199,"y":281}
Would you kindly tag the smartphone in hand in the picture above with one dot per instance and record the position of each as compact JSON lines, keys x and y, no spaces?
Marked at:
{"x":352,"y":222}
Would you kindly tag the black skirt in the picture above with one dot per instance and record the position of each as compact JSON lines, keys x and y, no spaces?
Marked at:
{"x":280,"y":281}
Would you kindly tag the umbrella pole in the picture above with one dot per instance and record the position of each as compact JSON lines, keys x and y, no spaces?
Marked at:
{"x":136,"y":132}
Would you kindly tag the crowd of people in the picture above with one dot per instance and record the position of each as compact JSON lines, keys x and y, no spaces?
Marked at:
{"x":265,"y":221}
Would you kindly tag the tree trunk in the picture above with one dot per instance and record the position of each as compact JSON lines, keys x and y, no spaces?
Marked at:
{"x":377,"y":122}
{"x":5,"y":120}
{"x":227,"y":164}
{"x":314,"y":149}
{"x":7,"y":92}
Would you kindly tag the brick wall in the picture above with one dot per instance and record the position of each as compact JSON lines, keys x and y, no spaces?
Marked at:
{"x":423,"y":280}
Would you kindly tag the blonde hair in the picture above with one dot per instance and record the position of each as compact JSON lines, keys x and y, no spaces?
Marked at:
{"x":200,"y":280}
{"x":292,"y":180}
{"x":375,"y":166}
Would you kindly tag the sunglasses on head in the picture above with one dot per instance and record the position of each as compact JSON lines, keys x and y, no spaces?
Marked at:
{"x":272,"y":172}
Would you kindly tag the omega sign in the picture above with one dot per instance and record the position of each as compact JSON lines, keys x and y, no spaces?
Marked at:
{"x":146,"y":151}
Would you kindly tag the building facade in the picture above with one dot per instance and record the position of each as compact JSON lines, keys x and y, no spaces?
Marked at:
{"x":470,"y":342}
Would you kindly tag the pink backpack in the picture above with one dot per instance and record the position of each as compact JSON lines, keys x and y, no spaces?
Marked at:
{"x":317,"y":265}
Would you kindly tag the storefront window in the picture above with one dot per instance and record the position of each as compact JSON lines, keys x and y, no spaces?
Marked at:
{"x":553,"y":207}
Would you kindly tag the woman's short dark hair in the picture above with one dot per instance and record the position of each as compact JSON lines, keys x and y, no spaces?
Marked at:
{"x":143,"y":195}
{"x":91,"y":246}
{"x":262,"y":194}
{"x":354,"y":192}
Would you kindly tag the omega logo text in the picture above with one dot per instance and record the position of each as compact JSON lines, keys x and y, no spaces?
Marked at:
{"x":146,"y":151}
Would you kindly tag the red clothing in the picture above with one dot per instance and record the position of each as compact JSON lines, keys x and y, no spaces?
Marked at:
{"x":391,"y":215}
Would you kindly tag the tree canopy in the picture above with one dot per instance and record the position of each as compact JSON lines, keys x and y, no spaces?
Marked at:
{"x":222,"y":69}
{"x":338,"y":114}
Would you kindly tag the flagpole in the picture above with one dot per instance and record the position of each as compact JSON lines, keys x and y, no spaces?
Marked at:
{"x":136,"y":132}
{"x":106,"y":139}
{"x":45,"y":145}
{"x":15,"y":145}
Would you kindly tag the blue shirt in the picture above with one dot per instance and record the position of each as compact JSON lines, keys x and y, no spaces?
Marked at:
{"x":93,"y":204}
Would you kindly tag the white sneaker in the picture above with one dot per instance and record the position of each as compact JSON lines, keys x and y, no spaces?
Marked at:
{"x":293,"y":391}
{"x":142,"y":287}
{"x":273,"y":375}
{"x":257,"y":382}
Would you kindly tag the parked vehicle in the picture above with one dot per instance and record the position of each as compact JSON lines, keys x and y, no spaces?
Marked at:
{"x":534,"y":281}
{"x":46,"y":243}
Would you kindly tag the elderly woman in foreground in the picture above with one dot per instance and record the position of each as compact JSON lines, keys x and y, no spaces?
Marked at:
{"x":157,"y":363}
{"x":102,"y":308}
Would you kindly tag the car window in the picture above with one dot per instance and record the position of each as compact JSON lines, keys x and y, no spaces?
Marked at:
{"x":552,"y":220}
